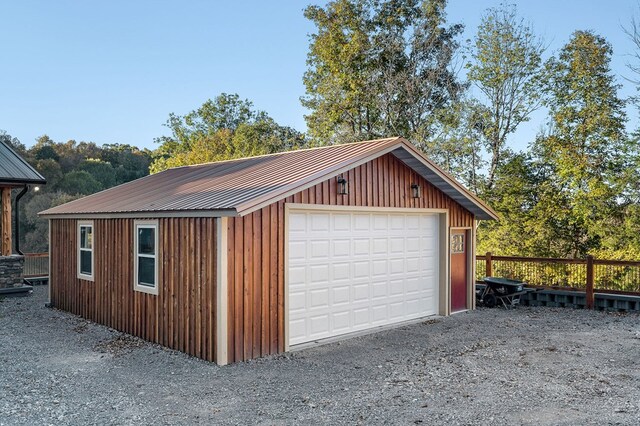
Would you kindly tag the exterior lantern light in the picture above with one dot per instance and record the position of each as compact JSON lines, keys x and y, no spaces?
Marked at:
{"x":415,"y":190}
{"x":342,"y":185}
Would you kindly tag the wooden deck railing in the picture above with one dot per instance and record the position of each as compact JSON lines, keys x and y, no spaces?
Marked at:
{"x":591,"y":275}
{"x":36,"y":265}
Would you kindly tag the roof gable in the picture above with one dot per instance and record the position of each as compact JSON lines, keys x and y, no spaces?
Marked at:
{"x":241,"y":186}
{"x":14,"y":170}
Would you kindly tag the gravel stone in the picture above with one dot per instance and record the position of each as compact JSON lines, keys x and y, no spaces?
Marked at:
{"x":529,"y":366}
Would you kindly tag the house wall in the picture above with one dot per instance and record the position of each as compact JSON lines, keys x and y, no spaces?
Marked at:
{"x":255,"y":248}
{"x":181,"y":316}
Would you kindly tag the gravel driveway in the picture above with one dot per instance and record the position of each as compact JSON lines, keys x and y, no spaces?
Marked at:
{"x":526,"y":366}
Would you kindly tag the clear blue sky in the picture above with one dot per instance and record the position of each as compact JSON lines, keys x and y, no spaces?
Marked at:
{"x":112,"y":71}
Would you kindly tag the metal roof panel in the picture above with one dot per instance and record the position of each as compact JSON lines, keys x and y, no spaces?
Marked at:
{"x":15,"y":170}
{"x":244,"y":184}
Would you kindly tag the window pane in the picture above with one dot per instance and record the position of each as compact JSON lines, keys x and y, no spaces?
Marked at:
{"x":146,"y":241}
{"x":457,"y":243}
{"x":86,"y":234}
{"x":146,"y":271}
{"x":85,"y":262}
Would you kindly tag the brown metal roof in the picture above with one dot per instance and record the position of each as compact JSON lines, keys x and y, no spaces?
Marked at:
{"x":237,"y":187}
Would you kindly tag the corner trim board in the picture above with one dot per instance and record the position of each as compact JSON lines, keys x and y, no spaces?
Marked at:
{"x":222,"y":294}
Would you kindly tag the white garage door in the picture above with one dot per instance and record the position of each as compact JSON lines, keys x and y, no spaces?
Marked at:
{"x":350,"y":271}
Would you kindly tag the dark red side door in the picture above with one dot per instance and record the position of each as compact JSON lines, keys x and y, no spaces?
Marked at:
{"x":459,"y":286}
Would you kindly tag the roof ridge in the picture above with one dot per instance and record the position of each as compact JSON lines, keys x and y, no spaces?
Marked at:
{"x":273,"y":154}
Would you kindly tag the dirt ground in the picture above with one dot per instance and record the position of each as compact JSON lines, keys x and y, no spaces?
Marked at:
{"x":491,"y":366}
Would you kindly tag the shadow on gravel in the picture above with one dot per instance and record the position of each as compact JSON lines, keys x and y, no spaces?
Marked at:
{"x":524,"y":366}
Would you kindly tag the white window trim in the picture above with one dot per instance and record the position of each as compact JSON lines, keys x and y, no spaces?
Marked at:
{"x":137,"y":286}
{"x":79,"y":249}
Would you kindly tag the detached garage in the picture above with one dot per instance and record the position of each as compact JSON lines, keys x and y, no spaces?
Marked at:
{"x":234,"y":260}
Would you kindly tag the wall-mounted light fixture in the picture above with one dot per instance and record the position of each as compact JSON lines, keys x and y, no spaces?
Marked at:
{"x":415,"y":190}
{"x":342,"y":185}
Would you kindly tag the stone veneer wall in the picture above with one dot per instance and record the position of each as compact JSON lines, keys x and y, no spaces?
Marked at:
{"x":11,"y":271}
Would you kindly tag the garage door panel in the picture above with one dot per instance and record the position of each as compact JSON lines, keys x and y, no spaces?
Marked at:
{"x":319,"y":222}
{"x":297,"y":301}
{"x":319,"y":273}
{"x":341,"y":295}
{"x":396,"y":266}
{"x":341,"y":247}
{"x":297,"y":250}
{"x":380,"y":222}
{"x":380,"y":314}
{"x":379,"y":290}
{"x":353,"y":271}
{"x":319,"y":249}
{"x":396,"y":310}
{"x":379,"y":268}
{"x":297,"y":275}
{"x":412,"y":264}
{"x":396,"y":287}
{"x":319,"y":325}
{"x":361,"y":247}
{"x":297,"y":224}
{"x":318,"y":297}
{"x":360,"y":293}
{"x":341,"y":222}
{"x":361,"y":222}
{"x":297,"y":329}
{"x":380,"y":246}
{"x":360,"y":269}
{"x":340,"y":271}
{"x":396,"y":245}
{"x":397,"y":223}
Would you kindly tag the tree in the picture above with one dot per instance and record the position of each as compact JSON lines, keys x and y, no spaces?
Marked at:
{"x":101,"y":171}
{"x":506,"y":68}
{"x":340,"y":77}
{"x":44,"y":149}
{"x":12,"y":142}
{"x":379,"y":68}
{"x":79,"y":182}
{"x":457,"y":148}
{"x":224,"y":128}
{"x":34,"y":229}
{"x":633,"y":33}
{"x":586,"y":145}
{"x":414,"y":55}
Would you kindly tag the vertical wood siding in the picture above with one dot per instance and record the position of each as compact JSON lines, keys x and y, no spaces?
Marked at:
{"x":181,"y":316}
{"x":256,"y":248}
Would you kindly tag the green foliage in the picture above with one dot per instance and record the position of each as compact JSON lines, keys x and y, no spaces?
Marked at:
{"x":79,"y":182}
{"x":573,"y":193}
{"x":506,"y":65}
{"x":221,"y":129}
{"x":457,"y":148}
{"x":379,"y":68}
{"x":100,"y":171}
{"x":586,"y":147}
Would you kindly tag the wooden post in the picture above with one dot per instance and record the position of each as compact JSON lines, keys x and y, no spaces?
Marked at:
{"x":489,"y":268}
{"x":589,"y":287}
{"x":6,"y":222}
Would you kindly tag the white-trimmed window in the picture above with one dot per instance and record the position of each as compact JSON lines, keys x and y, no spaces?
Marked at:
{"x":85,"y":250}
{"x":145,"y":250}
